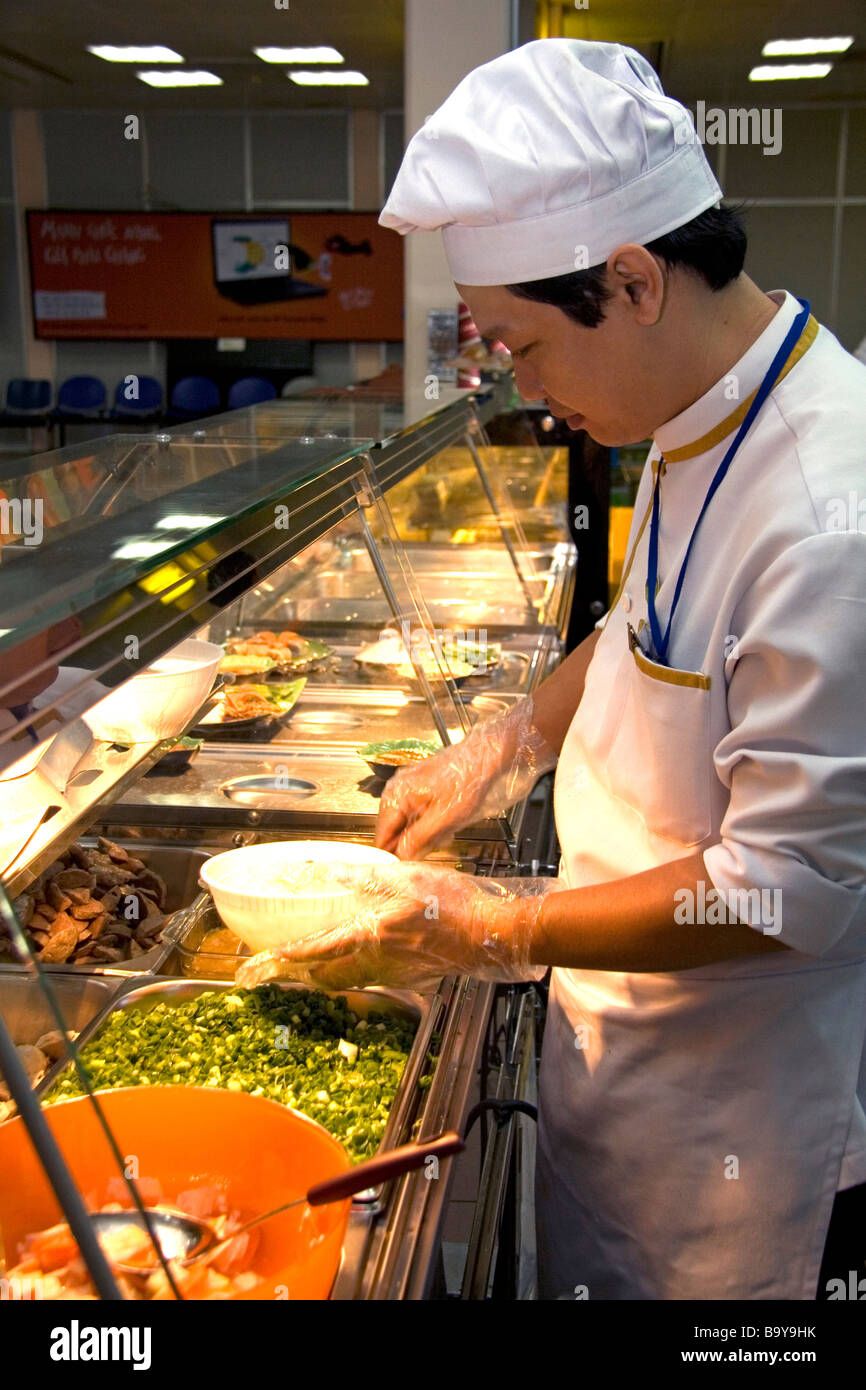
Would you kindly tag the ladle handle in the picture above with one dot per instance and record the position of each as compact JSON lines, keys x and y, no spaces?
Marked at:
{"x":388,"y":1165}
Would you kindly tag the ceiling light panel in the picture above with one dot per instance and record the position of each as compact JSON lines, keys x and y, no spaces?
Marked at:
{"x":801,"y":48}
{"x":328,"y":79}
{"x":155,"y":53}
{"x":176,"y":78}
{"x":299,"y":55}
{"x":787,"y":72}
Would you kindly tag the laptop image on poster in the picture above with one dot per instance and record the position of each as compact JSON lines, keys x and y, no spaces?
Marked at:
{"x":251,"y":265}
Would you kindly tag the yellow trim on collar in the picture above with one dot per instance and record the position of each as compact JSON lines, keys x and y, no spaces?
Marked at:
{"x":727,"y":426}
{"x":637,"y":540}
{"x":696,"y":679}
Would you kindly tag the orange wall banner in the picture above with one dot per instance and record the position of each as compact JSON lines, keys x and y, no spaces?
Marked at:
{"x":314,"y":275}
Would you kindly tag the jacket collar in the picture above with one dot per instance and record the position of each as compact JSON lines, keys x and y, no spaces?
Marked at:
{"x":709,"y":420}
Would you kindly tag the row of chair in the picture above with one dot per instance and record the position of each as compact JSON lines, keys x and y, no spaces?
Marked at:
{"x":30,"y":401}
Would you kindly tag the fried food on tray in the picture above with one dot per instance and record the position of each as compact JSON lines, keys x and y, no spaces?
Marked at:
{"x":279,"y":647}
{"x":245,"y":702}
{"x":92,"y":906}
{"x":272,"y":651}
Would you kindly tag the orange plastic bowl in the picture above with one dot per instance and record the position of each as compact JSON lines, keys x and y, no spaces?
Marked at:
{"x":259,"y":1153}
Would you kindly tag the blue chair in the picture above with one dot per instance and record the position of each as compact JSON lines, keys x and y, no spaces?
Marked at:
{"x":250,"y":390}
{"x":28,"y":399}
{"x":81,"y":398}
{"x":147,"y":405}
{"x":193,"y":396}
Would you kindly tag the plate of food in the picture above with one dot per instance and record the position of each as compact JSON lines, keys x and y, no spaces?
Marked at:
{"x":260,"y":653}
{"x":249,"y":710}
{"x":390,"y":657}
{"x":384,"y":757}
{"x":481,"y":656}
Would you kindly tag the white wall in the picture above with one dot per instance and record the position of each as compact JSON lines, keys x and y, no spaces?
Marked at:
{"x":444,"y":41}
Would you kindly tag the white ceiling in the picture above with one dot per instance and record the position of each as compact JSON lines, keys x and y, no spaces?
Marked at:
{"x":44,"y":62}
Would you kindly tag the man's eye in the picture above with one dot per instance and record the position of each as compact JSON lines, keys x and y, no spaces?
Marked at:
{"x":522,"y":352}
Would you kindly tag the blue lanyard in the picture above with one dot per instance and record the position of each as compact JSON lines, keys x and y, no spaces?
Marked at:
{"x":661,"y":641}
{"x":21,"y":712}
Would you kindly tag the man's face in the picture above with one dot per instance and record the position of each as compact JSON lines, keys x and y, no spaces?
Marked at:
{"x":596,"y":379}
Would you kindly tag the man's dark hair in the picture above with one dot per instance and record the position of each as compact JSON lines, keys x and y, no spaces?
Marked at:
{"x":712,"y":245}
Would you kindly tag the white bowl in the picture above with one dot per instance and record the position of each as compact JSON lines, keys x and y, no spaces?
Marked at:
{"x":253,"y":906}
{"x":160,"y":701}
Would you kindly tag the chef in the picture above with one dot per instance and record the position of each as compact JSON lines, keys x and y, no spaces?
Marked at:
{"x":699,"y":1120}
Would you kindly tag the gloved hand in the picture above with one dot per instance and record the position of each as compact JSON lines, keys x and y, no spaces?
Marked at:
{"x":410,"y":924}
{"x":496,"y":765}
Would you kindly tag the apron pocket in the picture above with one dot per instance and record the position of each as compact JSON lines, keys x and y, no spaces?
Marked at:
{"x":660,"y":761}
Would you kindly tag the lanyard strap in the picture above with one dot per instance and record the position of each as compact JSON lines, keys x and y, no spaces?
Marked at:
{"x":661,"y":640}
{"x":20,"y":712}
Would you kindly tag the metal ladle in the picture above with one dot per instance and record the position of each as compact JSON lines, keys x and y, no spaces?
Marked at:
{"x":188,"y":1238}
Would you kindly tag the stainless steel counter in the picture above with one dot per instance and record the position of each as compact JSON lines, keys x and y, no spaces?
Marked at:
{"x":319,"y":790}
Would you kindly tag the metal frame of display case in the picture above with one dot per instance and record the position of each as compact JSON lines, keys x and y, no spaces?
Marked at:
{"x":389,"y":1253}
{"x":458,"y":419}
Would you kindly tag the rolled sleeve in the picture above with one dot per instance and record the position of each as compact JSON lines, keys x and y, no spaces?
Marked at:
{"x":794,"y":759}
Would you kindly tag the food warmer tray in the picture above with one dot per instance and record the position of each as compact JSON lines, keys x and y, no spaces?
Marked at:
{"x":392,"y":1242}
{"x":179,"y":866}
{"x":526,"y":658}
{"x":455,"y":597}
{"x":161,"y":989}
{"x":290,"y":787}
{"x":81,"y":998}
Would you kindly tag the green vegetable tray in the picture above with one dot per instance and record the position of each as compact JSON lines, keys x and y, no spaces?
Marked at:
{"x":357,"y":1062}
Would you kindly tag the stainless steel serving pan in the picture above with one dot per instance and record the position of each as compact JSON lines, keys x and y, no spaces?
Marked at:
{"x":400,"y":1003}
{"x":179,"y":866}
{"x":26,"y":1011}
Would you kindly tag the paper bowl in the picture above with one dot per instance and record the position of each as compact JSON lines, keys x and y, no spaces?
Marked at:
{"x":161,"y":700}
{"x":260,"y":913}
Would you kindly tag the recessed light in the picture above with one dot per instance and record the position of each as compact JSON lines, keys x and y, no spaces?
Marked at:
{"x":798,"y":48}
{"x":328,"y":79}
{"x":156,"y":53}
{"x":174,"y":78}
{"x":299,"y":55}
{"x":786,"y":72}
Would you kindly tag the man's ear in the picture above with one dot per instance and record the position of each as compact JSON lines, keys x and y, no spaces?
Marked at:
{"x":634,"y":273}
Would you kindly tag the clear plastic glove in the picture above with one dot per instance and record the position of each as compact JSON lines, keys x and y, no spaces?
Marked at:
{"x":408,"y":926}
{"x":496,"y":765}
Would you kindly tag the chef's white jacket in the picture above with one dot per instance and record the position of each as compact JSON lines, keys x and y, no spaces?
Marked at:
{"x":696,"y":1125}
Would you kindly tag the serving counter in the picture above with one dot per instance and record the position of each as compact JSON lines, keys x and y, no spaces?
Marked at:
{"x":363,"y":574}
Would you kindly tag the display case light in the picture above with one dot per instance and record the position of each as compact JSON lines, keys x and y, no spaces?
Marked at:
{"x":800,"y":48}
{"x":129,"y":53}
{"x":788,"y":72}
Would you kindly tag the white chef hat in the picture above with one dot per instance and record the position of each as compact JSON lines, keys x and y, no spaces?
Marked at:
{"x":546,"y":159}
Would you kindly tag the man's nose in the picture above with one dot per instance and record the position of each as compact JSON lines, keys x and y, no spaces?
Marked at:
{"x":527,"y":382}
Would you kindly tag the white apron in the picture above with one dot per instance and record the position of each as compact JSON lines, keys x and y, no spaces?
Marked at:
{"x":693,"y":1124}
